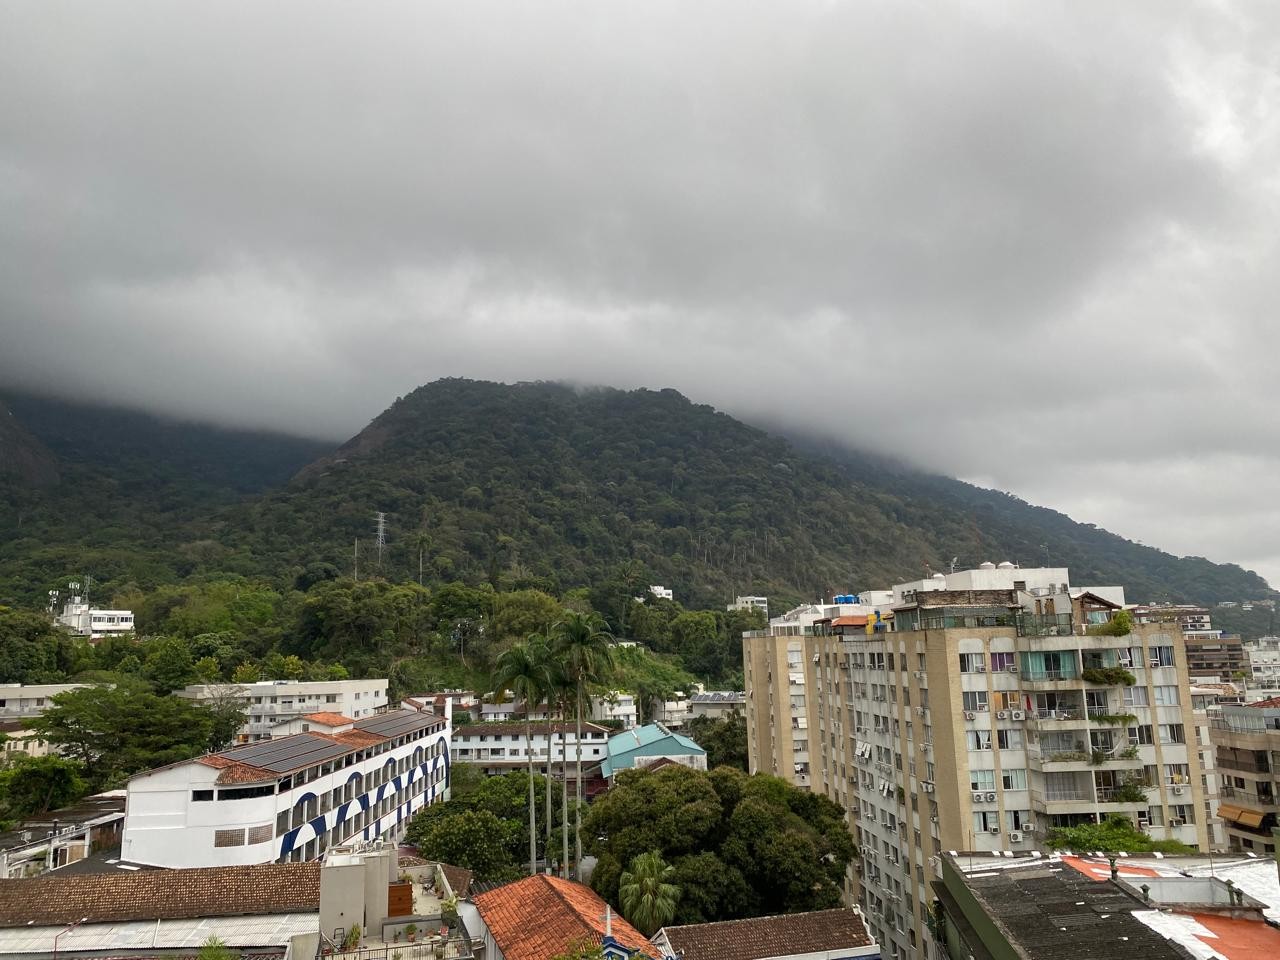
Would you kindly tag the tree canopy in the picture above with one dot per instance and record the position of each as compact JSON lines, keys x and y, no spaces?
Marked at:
{"x":1114,"y":834}
{"x":738,"y":845}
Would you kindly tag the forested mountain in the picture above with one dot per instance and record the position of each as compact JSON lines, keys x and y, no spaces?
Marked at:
{"x":538,"y":485}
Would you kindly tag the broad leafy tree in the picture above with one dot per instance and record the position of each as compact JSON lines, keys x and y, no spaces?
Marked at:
{"x":738,"y":845}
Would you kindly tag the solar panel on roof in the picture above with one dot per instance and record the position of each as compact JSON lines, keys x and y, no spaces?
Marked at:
{"x":394,"y":724}
{"x":289,"y":753}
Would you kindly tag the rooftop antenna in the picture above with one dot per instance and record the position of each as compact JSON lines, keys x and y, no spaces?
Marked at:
{"x":380,"y":534}
{"x":954,"y":561}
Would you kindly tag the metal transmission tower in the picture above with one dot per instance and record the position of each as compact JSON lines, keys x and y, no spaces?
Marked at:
{"x":380,"y":533}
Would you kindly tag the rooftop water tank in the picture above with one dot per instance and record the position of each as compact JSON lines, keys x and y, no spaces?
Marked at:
{"x":1006,"y":566}
{"x":986,"y":565}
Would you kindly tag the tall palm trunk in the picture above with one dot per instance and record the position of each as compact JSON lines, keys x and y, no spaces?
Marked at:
{"x":577,"y":814}
{"x":564,"y":799}
{"x":533,"y":804}
{"x":551,"y":732}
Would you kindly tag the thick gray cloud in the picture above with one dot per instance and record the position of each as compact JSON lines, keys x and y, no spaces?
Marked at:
{"x":1031,"y":245}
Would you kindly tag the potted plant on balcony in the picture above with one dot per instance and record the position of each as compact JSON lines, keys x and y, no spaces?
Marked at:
{"x":411,"y":931}
{"x":449,"y":911}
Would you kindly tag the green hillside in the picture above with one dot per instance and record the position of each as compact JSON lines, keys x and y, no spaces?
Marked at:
{"x":533,"y":485}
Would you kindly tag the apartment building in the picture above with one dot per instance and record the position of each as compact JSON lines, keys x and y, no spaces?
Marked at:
{"x":269,"y":705}
{"x":1246,"y":744}
{"x":21,"y":704}
{"x":975,"y":715}
{"x":498,"y":748}
{"x":292,"y":798}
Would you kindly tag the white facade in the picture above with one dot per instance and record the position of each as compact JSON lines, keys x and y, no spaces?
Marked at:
{"x":28,"y":701}
{"x":498,"y":746}
{"x":290,"y":799}
{"x":1036,"y":581}
{"x":750,"y":603}
{"x":96,"y":624}
{"x":674,"y":713}
{"x":509,"y":710}
{"x":616,"y":705}
{"x":661,"y":592}
{"x":269,"y":703}
{"x":19,"y":705}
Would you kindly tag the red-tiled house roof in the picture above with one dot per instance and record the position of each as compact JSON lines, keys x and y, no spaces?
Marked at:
{"x":540,"y":916}
{"x":328,"y":719}
{"x":820,"y":931}
{"x":57,"y":898}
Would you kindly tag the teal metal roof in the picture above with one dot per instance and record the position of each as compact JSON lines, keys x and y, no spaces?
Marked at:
{"x":651,"y":740}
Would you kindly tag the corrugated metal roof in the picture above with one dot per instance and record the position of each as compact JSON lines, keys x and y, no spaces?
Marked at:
{"x":260,"y":931}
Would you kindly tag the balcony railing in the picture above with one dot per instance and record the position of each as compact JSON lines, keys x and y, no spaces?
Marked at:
{"x":1060,"y":673}
{"x":1044,"y":625}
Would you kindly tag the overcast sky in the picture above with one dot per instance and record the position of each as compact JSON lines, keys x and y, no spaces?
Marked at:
{"x":1031,"y":245}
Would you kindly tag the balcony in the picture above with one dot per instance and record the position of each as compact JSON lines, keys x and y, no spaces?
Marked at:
{"x":1044,"y":625}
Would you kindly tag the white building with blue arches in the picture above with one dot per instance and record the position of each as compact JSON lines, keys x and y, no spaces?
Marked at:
{"x":291,"y":798}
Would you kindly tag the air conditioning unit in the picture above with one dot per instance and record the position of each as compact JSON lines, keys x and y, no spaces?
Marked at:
{"x":920,"y":711}
{"x":1013,"y":668}
{"x":1015,"y":837}
{"x":1029,"y":828}
{"x":995,"y":830}
{"x":919,"y":674}
{"x":1177,"y":790}
{"x":980,"y":668}
{"x":968,"y":715}
{"x":1176,"y":821}
{"x":1155,"y":663}
{"x":816,"y":657}
{"x":1002,"y":715}
{"x":991,"y":798}
{"x":1018,"y":714}
{"x":978,"y":797}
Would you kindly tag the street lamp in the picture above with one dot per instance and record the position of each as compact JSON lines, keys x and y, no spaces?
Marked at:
{"x":67,"y":929}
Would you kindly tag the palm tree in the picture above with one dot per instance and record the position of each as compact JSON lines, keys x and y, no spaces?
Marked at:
{"x":551,"y":681}
{"x":583,"y":642}
{"x":648,"y":896}
{"x":518,"y":670}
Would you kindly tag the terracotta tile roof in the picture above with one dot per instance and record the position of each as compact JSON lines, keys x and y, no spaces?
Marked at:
{"x":1270,"y":702}
{"x":458,"y":878}
{"x":328,"y":719}
{"x":751,"y":939}
{"x":54,"y":898}
{"x":538,"y":917}
{"x":240,"y":773}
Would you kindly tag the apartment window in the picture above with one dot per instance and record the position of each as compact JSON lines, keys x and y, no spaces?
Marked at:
{"x":1001,"y":662}
{"x":797,"y":702}
{"x":974,"y":701}
{"x":972,"y":663}
{"x":979,"y":739}
{"x":1183,"y":811}
{"x":982,"y":780}
{"x":1014,"y":779}
{"x":1161,"y":656}
{"x":1176,"y":772}
{"x":201,"y":795}
{"x":1136,"y":696}
{"x":331,"y":698}
{"x":1167,"y":696}
{"x":985,"y":820}
{"x":1009,"y":739}
{"x":1140,"y":735}
{"x":1172,"y":733}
